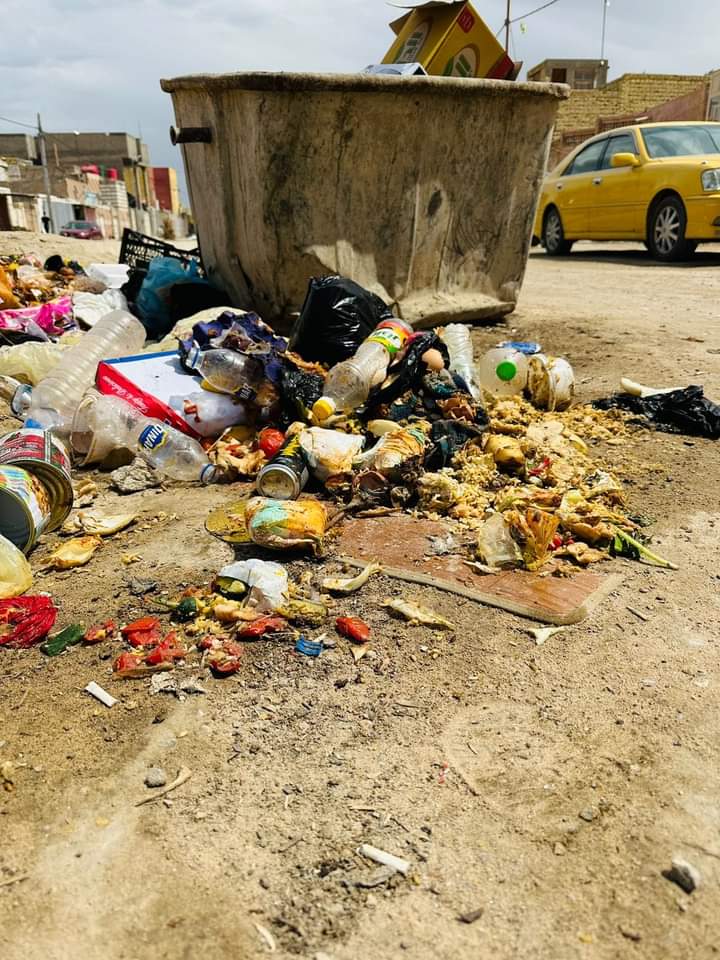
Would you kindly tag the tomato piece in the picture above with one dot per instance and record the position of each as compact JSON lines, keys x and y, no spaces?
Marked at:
{"x":353,"y":628}
{"x":128,"y":665}
{"x":270,"y":440}
{"x":143,"y":638}
{"x":222,"y":665}
{"x":141,"y":625}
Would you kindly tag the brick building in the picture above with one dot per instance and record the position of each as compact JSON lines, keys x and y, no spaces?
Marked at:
{"x":630,"y":98}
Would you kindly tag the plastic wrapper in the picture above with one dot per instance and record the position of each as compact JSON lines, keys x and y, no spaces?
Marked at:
{"x":330,"y":452}
{"x":687,"y":411}
{"x":337,"y":315}
{"x":15,"y":572}
{"x":266,"y":581}
{"x":495,"y":545}
{"x":393,"y":450}
{"x":31,"y":362}
{"x":286,"y":524}
{"x":51,"y":319}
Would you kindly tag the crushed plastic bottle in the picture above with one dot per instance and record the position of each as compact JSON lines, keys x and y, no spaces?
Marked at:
{"x":56,"y":398}
{"x":503,"y":372}
{"x":349,"y":383}
{"x":228,"y":371}
{"x":456,"y":337}
{"x":103,"y":424}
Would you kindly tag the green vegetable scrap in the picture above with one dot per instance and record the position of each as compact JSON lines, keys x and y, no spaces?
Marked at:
{"x":623,"y":545}
{"x":65,"y":638}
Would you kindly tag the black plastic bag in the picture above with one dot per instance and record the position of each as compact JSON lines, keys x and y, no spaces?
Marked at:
{"x":687,"y":411}
{"x":299,"y":390}
{"x":446,"y":438}
{"x":407,"y":374}
{"x":336,"y":317}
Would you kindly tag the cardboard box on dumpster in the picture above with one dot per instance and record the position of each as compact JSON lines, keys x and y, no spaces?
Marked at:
{"x":147,"y":382}
{"x":449,"y":39}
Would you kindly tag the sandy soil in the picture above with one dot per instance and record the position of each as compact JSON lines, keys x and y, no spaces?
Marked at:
{"x":546,"y":786}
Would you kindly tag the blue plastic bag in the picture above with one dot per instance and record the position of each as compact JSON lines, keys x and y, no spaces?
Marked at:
{"x":153,"y":301}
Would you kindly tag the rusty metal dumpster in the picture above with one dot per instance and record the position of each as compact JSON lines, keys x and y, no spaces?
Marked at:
{"x":422,"y":189}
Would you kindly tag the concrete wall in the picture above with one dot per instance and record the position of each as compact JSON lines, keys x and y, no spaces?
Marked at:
{"x":630,"y":93}
{"x":20,"y":145}
{"x":691,"y":106}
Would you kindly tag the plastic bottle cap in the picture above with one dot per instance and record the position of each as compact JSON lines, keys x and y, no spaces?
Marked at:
{"x":506,"y":371}
{"x":207,"y":474}
{"x":323,"y":408}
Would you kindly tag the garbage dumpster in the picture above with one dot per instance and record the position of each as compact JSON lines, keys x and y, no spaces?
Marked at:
{"x":422,"y":189}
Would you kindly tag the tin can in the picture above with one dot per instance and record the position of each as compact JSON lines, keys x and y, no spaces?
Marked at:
{"x":25,"y":507}
{"x":286,"y":474}
{"x":42,"y":455}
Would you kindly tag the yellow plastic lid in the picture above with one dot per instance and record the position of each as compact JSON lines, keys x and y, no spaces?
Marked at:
{"x":323,"y":408}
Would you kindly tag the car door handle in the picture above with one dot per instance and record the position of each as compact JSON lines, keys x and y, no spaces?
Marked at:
{"x":597,"y":181}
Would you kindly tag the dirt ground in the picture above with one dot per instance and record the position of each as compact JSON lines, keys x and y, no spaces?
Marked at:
{"x":546,"y":786}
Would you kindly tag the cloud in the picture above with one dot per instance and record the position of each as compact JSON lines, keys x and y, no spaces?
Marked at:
{"x":90,"y":65}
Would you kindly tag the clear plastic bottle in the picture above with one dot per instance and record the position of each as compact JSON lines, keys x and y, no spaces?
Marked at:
{"x":228,"y":371}
{"x":103,"y":424}
{"x":349,"y":383}
{"x":456,"y":337}
{"x":56,"y":398}
{"x":503,"y":372}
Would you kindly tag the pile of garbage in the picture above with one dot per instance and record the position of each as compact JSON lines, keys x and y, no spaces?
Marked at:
{"x":355,"y":414}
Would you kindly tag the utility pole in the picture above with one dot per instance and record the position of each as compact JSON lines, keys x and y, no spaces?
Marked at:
{"x":605,"y":4}
{"x":46,"y":173}
{"x":507,"y":27}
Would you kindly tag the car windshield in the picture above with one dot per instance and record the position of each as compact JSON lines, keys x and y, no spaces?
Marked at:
{"x":691,"y":141}
{"x":78,"y":225}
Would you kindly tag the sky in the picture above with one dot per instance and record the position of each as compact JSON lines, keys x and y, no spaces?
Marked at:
{"x":90,"y":65}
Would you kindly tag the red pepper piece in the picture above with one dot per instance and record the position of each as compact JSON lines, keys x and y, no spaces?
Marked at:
{"x":25,"y":621}
{"x":270,"y":440}
{"x":258,"y":628}
{"x":353,"y":628}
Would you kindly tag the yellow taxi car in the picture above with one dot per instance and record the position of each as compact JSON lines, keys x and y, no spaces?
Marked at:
{"x":655,"y":182}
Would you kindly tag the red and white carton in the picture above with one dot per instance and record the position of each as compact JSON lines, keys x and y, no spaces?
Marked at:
{"x":147,"y":382}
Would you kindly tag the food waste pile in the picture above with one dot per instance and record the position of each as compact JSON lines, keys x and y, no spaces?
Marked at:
{"x":353,"y":415}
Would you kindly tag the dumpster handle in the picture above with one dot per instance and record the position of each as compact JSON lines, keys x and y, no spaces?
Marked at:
{"x":190,"y":135}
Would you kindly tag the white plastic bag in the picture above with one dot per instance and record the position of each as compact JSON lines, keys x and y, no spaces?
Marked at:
{"x":15,"y":572}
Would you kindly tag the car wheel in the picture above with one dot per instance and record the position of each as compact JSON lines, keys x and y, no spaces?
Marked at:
{"x":553,"y":238}
{"x":666,"y":231}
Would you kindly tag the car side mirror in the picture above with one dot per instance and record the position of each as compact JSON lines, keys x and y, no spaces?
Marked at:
{"x":624,"y":160}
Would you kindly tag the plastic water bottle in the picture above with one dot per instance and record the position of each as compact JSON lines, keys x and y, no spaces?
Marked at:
{"x":456,"y":337}
{"x":503,"y":372}
{"x":103,"y":424}
{"x":228,"y":371}
{"x":349,"y":383}
{"x":55,"y":399}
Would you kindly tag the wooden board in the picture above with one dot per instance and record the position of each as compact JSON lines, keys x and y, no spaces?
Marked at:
{"x":401,"y":544}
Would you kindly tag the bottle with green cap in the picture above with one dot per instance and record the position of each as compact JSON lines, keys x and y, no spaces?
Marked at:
{"x":503,"y":372}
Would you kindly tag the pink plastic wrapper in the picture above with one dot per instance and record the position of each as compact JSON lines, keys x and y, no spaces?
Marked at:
{"x":53,"y":319}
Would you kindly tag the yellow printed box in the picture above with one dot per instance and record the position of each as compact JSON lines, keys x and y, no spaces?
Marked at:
{"x":449,"y":40}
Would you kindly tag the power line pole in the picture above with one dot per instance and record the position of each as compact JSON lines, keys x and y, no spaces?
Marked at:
{"x":46,"y":173}
{"x":606,"y":4}
{"x":507,"y":27}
